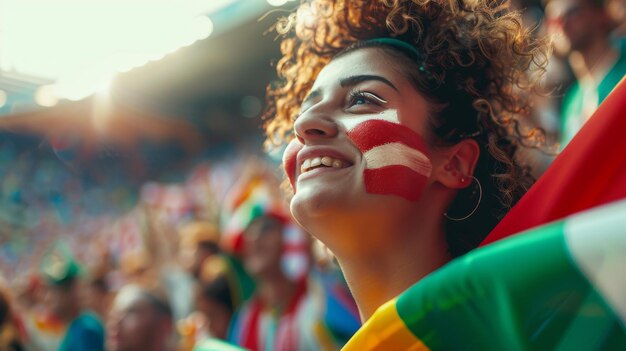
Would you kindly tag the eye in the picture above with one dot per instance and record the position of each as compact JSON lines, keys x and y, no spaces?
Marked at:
{"x":364,"y":98}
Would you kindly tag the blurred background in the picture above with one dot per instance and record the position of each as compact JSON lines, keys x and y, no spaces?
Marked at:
{"x":101,"y":99}
{"x":122,"y":121}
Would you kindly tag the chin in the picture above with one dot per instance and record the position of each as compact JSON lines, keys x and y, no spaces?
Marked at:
{"x":352,"y":216}
{"x":311,"y":205}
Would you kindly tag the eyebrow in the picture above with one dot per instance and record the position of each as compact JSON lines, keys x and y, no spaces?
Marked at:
{"x":349,"y":82}
{"x":354,"y":80}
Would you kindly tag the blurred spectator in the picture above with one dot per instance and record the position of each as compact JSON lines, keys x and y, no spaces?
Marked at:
{"x":11,"y":334}
{"x":273,"y":319}
{"x":597,"y":62}
{"x":85,"y":330}
{"x":222,"y":287}
{"x":617,"y":9}
{"x":43,"y":328}
{"x":286,"y":311}
{"x":198,"y":241}
{"x":98,"y":296}
{"x":97,"y":290}
{"x":140,"y":319}
{"x":135,"y":266}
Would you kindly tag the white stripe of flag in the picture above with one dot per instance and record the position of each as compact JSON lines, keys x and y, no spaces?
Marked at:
{"x":597,"y":243}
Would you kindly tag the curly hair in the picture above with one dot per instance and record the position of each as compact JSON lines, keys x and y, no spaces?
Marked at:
{"x":478,"y":63}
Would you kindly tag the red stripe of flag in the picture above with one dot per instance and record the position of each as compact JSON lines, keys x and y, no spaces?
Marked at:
{"x":591,"y":171}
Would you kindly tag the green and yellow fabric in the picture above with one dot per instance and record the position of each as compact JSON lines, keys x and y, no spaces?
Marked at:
{"x":561,"y":286}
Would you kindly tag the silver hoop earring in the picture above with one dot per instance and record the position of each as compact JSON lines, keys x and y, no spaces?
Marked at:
{"x":480,"y":197}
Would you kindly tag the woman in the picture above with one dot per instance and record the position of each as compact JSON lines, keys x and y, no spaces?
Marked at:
{"x":413,"y":102}
{"x":406,"y":125}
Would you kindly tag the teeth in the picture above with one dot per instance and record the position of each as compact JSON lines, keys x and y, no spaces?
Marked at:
{"x":316,"y":162}
{"x":326,"y":161}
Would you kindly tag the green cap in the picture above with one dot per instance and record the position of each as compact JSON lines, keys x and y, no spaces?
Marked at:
{"x":58,"y":265}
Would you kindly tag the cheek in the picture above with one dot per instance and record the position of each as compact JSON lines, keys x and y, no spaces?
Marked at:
{"x":289,"y":161}
{"x":397,"y":161}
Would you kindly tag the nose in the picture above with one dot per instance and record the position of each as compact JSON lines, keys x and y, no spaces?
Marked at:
{"x":313,"y":125}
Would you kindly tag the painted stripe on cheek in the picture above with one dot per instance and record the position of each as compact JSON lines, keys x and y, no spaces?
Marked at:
{"x":396,"y":158}
{"x":372,"y":133}
{"x":290,"y":161}
{"x":394,"y":180}
{"x":398,"y":154}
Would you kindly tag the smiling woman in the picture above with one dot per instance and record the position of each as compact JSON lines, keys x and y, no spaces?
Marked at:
{"x":402,"y":120}
{"x":405,"y":129}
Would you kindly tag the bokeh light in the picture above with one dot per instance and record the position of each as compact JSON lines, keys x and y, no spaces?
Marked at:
{"x":40,"y":38}
{"x":3,"y":98}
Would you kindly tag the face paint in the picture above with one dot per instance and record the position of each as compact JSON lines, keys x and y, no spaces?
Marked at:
{"x":396,"y":158}
{"x":290,"y":160}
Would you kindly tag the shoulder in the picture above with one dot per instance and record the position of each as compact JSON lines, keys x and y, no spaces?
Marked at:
{"x":88,"y":321}
{"x":87,"y":330}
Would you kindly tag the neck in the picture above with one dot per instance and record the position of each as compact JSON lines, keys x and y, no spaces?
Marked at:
{"x":407,"y":257}
{"x":276,"y":292}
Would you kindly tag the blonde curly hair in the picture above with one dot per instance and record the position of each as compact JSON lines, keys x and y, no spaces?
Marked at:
{"x":477,"y":61}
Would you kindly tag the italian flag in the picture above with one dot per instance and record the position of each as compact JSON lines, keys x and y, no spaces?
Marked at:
{"x":561,"y":286}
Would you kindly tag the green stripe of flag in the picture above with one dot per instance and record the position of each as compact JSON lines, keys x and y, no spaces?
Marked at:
{"x":524,"y":293}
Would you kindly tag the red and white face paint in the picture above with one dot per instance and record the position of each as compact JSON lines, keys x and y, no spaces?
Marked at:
{"x":290,"y":161}
{"x":395,"y":155}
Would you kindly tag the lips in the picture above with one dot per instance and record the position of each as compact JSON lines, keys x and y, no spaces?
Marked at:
{"x":290,"y":160}
{"x":309,"y":159}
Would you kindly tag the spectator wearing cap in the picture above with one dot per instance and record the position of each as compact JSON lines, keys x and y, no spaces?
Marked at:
{"x":286,"y":310}
{"x":85,"y":330}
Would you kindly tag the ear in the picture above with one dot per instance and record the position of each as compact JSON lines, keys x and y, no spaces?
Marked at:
{"x":457,"y":169}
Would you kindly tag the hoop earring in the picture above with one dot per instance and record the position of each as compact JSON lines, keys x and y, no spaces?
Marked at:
{"x":480,"y":197}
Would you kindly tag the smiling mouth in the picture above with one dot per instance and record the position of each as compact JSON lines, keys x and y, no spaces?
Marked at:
{"x":321,"y":162}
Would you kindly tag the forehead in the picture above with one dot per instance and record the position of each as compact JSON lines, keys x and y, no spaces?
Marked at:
{"x":361,"y":61}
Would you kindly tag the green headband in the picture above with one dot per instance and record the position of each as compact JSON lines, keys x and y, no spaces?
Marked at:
{"x":403,"y":46}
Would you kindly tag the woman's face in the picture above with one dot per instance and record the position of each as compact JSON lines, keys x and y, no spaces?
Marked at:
{"x":360,"y":151}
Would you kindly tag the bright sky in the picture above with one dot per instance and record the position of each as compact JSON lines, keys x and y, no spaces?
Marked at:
{"x":82,"y":44}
